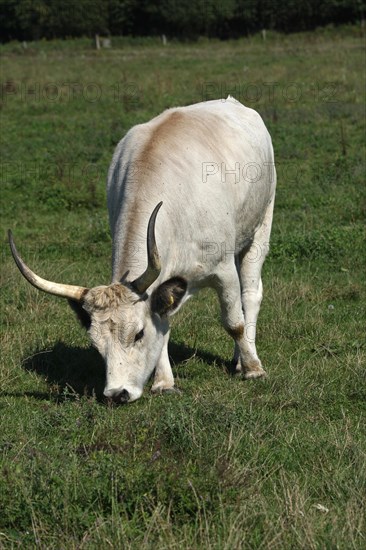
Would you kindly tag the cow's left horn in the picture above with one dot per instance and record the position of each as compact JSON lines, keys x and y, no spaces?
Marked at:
{"x":66,"y":291}
{"x":142,"y":283}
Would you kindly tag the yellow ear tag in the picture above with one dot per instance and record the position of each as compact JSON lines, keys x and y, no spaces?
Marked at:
{"x":171,"y":301}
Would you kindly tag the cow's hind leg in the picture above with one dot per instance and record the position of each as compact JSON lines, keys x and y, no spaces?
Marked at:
{"x":163,"y":379}
{"x":250,"y":268}
{"x":251,"y":297}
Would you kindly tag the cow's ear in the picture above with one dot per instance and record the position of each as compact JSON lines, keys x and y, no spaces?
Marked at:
{"x":167,"y":297}
{"x":81,"y":314}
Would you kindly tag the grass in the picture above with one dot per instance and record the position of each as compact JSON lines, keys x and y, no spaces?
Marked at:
{"x":278,"y":463}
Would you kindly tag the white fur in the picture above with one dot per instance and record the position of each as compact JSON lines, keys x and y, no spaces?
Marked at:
{"x":212,"y":230}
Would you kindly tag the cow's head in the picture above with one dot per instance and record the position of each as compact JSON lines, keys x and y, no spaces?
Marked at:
{"x":126,"y":323}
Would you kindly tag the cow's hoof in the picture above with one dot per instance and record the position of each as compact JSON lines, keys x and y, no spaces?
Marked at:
{"x":235,"y":368}
{"x":255,"y":373}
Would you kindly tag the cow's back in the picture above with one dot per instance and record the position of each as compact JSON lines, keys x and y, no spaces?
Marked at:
{"x":212,"y":166}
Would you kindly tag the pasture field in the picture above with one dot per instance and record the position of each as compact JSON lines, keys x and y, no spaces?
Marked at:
{"x":276,"y":463}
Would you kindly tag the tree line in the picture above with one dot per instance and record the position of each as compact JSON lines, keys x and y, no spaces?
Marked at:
{"x":36,"y":19}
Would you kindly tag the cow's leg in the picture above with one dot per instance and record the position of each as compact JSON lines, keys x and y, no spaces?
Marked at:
{"x":251,"y":300}
{"x":250,"y":268}
{"x":229,"y":291}
{"x":236,"y":359}
{"x":163,"y":379}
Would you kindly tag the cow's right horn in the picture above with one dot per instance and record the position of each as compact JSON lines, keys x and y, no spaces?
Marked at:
{"x":66,"y":291}
{"x":142,"y":283}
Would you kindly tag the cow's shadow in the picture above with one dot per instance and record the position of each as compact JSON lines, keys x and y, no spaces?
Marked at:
{"x":72,"y":372}
{"x":69,"y":371}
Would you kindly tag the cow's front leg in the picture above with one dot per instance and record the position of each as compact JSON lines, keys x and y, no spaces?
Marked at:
{"x":164,"y":379}
{"x":229,"y":293}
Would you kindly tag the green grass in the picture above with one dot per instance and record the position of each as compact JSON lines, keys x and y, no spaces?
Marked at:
{"x":278,"y":463}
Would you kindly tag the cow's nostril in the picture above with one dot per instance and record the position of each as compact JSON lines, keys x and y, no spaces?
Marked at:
{"x":121,"y":397}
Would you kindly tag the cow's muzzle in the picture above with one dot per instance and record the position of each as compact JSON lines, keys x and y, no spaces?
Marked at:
{"x":118,"y":397}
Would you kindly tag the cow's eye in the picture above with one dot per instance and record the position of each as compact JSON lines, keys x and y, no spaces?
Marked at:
{"x":139,"y":335}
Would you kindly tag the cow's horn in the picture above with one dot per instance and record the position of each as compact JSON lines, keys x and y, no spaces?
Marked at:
{"x":66,"y":291}
{"x":142,"y":283}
